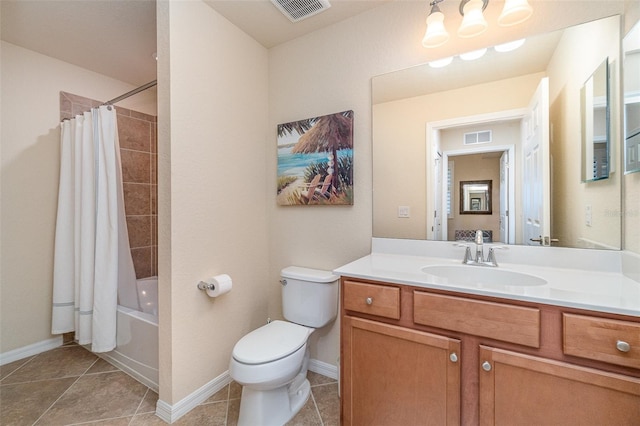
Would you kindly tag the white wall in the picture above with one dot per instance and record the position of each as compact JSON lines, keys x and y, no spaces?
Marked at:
{"x":212,"y":150}
{"x":31,"y":83}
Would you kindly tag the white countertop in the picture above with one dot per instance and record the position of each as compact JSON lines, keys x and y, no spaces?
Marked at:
{"x":586,"y":287}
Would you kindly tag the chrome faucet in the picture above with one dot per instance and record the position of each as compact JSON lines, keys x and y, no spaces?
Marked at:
{"x":479,"y":258}
{"x":479,"y":247}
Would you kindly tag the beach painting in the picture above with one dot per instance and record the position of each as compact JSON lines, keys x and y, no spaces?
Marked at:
{"x":315,"y":161}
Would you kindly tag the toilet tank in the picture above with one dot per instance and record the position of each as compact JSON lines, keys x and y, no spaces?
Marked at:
{"x":309,"y":296}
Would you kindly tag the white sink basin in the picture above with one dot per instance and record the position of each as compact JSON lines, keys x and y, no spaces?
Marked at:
{"x":480,"y":275}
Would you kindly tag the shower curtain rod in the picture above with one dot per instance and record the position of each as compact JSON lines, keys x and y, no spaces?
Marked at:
{"x":131,"y":93}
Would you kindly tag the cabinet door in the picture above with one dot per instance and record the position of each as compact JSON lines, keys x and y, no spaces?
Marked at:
{"x":397,"y":376}
{"x":522,"y":389}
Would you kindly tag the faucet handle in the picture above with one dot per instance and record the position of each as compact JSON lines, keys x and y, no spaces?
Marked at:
{"x":467,"y":256}
{"x":491,"y":257}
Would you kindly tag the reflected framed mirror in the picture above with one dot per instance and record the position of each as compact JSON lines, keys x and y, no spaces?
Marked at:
{"x":594,"y":100}
{"x":475,"y":197}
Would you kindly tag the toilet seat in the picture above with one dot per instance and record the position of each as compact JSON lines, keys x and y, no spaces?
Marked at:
{"x":271,"y":342}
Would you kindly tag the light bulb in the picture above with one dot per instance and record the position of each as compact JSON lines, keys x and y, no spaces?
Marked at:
{"x":473,"y":22}
{"x":475,"y":54}
{"x":440,"y":63}
{"x":436,"y":34}
{"x":508,"y":47}
{"x":514,"y":12}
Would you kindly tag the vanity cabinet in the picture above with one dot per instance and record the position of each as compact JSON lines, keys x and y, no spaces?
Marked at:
{"x":520,"y":389}
{"x":390,"y":374}
{"x":411,"y":355}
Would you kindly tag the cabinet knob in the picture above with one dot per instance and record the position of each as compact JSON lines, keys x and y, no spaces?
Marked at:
{"x":453,"y":357}
{"x":486,"y":366}
{"x":369,"y":300}
{"x":623,"y":346}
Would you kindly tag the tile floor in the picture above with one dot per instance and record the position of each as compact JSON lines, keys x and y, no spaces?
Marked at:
{"x":71,"y":386}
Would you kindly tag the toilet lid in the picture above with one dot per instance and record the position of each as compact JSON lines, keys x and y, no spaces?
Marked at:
{"x":271,"y":342}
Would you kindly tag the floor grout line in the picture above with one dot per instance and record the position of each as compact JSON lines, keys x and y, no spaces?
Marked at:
{"x":226,"y":415}
{"x":57,"y":399}
{"x":315,"y":405}
{"x":27,"y":361}
{"x":141,"y":401}
{"x":89,"y":422}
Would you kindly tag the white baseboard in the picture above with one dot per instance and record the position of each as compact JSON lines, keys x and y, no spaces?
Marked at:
{"x":323,"y":368}
{"x":30,"y":350}
{"x":170,"y":413}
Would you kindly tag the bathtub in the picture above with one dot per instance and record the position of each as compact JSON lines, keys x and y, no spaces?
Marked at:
{"x":136,"y":351}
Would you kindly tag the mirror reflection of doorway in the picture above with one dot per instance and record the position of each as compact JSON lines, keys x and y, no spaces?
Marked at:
{"x":491,"y":161}
{"x":471,"y":210}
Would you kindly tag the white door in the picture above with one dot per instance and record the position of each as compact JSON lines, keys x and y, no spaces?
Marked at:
{"x":437,"y":214}
{"x":536,"y":175}
{"x":504,"y":197}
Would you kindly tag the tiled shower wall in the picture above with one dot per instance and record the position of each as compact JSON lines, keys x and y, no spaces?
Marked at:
{"x":138,"y":151}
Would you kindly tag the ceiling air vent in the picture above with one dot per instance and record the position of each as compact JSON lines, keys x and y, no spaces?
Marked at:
{"x":297,"y":10}
{"x":483,"y":136}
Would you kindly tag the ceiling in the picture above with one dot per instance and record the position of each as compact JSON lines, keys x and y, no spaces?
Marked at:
{"x":117,"y":38}
{"x":102,"y":35}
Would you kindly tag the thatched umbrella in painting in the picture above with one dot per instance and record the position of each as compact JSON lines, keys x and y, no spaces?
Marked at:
{"x":329,"y":133}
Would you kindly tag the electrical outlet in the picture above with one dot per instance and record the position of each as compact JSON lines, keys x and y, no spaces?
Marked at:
{"x":404,"y":211}
{"x":588,"y":215}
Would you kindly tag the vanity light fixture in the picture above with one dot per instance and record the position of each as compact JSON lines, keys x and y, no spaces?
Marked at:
{"x":508,"y":47}
{"x":436,"y":34}
{"x":441,"y":63}
{"x":473,"y":22}
{"x":474,"y":54}
{"x":477,"y":54}
{"x":514,"y":12}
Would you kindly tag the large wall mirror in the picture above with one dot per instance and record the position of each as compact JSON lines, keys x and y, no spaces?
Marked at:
{"x":522,"y":110}
{"x":631,"y":49}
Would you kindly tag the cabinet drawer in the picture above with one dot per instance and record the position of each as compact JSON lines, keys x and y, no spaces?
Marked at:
{"x":498,"y":321}
{"x":380,"y":300}
{"x":600,"y":339}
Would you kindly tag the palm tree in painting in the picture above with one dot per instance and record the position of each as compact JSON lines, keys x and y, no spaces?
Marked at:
{"x":300,"y":127}
{"x":329,"y":133}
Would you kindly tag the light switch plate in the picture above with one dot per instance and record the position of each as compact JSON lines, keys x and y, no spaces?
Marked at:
{"x":404,"y":211}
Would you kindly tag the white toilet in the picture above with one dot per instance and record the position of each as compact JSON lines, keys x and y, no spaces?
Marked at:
{"x":271,"y":362}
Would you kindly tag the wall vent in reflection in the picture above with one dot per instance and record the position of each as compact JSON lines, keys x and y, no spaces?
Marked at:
{"x":297,"y":10}
{"x":473,"y":138}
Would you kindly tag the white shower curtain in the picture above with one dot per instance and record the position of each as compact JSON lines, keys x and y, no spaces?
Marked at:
{"x":91,"y":245}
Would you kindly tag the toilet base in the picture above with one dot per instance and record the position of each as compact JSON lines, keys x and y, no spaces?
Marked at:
{"x":273,"y":407}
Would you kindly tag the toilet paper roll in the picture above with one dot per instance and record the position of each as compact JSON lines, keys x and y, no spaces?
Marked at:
{"x":222,"y":284}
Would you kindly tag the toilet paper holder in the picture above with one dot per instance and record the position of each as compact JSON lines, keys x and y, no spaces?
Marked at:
{"x":206,"y":286}
{"x":216,"y":286}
